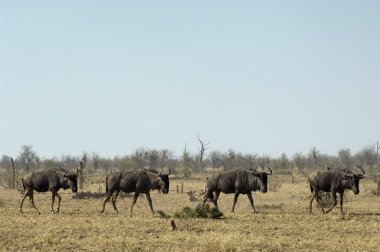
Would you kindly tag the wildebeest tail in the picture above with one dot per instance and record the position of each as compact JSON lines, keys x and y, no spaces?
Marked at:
{"x":309,"y":181}
{"x":22,"y":181}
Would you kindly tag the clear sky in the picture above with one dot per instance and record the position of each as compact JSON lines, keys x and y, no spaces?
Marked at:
{"x":260,"y":77}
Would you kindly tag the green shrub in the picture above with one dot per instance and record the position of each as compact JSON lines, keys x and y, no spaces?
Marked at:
{"x":162,"y":214}
{"x":199,"y":211}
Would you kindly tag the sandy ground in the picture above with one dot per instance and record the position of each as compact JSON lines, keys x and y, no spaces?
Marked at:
{"x":282,"y":223}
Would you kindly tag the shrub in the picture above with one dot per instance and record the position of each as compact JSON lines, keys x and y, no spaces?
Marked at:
{"x":162,"y":214}
{"x":199,"y":211}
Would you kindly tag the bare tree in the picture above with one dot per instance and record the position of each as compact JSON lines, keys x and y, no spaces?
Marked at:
{"x":216,"y":159}
{"x":139,"y":158}
{"x":153,"y":158}
{"x":299,"y":160}
{"x":186,"y":162}
{"x":83,"y":164}
{"x":345,"y":158}
{"x":283,"y":162}
{"x":202,"y":151}
{"x":263,"y":161}
{"x":229,"y":160}
{"x":28,"y":157}
{"x":314,"y":157}
{"x":369,"y":156}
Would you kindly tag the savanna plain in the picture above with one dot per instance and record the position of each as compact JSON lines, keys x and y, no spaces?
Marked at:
{"x":282,"y":221}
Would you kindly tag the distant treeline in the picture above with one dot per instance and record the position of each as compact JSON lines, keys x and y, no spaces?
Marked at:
{"x":188,"y":163}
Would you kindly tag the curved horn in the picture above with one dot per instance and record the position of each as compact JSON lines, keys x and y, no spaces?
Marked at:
{"x":363,"y":172}
{"x":77,"y":171}
{"x":65,"y":174}
{"x":160,"y":172}
{"x":270,"y":171}
{"x":169,"y":172}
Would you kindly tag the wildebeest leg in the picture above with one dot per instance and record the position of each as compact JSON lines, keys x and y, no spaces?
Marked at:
{"x":217,"y":194}
{"x":59,"y":201}
{"x":32,"y":201}
{"x":52,"y":201}
{"x":235,"y":199}
{"x":23,"y":198}
{"x":149,"y":201}
{"x":249,"y":195}
{"x":134,"y":200}
{"x":335,"y":202}
{"x":316,"y":196}
{"x":113,"y":200}
{"x":107,"y":198}
{"x":341,"y":203}
{"x":208,"y":195}
{"x":311,"y":203}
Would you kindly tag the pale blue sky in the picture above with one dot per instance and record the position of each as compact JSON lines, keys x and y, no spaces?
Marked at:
{"x":260,"y":77}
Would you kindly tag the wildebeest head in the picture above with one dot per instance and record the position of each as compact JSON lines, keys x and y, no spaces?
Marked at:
{"x":71,"y":180}
{"x":262,"y":179}
{"x":353,"y":179}
{"x":164,"y":181}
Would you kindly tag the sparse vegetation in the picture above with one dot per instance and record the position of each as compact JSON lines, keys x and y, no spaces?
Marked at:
{"x":280,"y":211}
{"x":282,"y":221}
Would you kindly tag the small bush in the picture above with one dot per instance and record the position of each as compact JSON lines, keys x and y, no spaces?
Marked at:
{"x":199,"y":211}
{"x":162,"y":214}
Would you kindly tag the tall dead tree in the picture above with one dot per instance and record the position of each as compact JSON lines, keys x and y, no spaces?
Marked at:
{"x":202,"y":151}
{"x":13,"y":184}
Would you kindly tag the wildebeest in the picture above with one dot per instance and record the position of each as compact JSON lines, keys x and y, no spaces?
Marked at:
{"x":240,"y":181}
{"x":334,"y":181}
{"x":49,"y":180}
{"x":138,"y":181}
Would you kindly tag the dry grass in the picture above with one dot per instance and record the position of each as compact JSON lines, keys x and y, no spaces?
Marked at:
{"x":282,"y":223}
